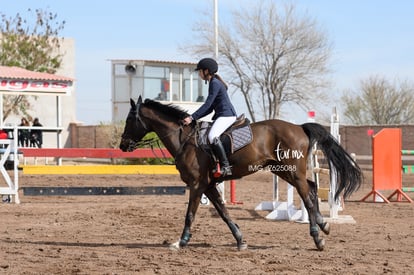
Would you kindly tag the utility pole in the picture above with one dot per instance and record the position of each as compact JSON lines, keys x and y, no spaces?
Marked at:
{"x":216,"y":29}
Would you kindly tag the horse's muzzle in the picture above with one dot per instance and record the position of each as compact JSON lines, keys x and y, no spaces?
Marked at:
{"x":127,"y":145}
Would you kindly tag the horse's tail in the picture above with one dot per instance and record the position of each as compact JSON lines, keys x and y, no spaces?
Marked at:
{"x":347,"y":172}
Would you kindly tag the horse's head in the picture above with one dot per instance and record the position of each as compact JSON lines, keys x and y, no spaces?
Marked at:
{"x":135,"y":128}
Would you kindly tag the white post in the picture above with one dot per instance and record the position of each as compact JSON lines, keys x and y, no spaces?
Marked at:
{"x":275,"y":188}
{"x":216,"y":29}
{"x":12,"y":188}
{"x":16,"y":165}
{"x":334,"y":204}
{"x":220,"y":186}
{"x":281,"y":210}
{"x":1,"y":110}
{"x":59,"y":124}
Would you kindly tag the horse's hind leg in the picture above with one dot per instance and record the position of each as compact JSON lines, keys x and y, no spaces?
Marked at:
{"x":309,"y":196}
{"x":324,"y":226}
{"x":214,"y":196}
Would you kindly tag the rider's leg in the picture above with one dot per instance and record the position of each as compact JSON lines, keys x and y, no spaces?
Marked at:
{"x":218,"y":149}
{"x":218,"y":127}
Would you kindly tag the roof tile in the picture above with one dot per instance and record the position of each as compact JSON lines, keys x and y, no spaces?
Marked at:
{"x":20,"y":73}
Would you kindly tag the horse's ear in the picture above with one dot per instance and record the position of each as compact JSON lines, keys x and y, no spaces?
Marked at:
{"x":132,"y":102}
{"x":139,"y":100}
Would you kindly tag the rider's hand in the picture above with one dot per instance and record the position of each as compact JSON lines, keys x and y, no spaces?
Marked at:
{"x":187,"y":120}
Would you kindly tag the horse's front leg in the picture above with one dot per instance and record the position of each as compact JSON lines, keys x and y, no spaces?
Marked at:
{"x":214,"y":196}
{"x":193,"y":203}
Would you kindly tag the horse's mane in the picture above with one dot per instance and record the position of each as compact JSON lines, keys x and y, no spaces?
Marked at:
{"x":169,"y":110}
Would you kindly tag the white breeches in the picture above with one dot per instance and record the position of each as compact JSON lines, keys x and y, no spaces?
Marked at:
{"x":219,"y":126}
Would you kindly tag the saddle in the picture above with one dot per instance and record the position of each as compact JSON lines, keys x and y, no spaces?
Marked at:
{"x":237,"y":136}
{"x":241,"y":120}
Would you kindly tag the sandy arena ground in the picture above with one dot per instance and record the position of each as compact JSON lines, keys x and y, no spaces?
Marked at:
{"x":131,"y":234}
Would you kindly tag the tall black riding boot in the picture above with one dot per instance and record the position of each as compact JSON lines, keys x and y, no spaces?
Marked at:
{"x":225,"y":169}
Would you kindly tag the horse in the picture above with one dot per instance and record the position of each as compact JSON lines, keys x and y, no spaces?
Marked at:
{"x":278,"y":144}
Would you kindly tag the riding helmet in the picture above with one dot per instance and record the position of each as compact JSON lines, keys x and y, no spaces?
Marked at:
{"x":207,"y":63}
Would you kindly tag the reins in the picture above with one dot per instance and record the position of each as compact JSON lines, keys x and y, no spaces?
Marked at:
{"x":156,"y":141}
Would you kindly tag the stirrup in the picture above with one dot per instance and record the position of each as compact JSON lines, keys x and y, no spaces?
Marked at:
{"x":219,"y":172}
{"x":227,"y":171}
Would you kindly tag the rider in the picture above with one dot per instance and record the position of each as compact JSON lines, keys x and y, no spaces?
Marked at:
{"x":218,"y":101}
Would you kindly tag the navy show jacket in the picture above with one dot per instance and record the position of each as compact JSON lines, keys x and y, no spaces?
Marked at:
{"x":217,"y":100}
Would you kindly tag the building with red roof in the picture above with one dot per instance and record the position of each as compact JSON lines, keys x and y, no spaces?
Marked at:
{"x":52,"y":97}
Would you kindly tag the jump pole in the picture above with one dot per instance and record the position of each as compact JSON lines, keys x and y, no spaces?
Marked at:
{"x":408,"y":189}
{"x":99,"y":191}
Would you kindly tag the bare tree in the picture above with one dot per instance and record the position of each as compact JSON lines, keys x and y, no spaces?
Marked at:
{"x":380,"y":102}
{"x":32,"y":45}
{"x":273,"y":56}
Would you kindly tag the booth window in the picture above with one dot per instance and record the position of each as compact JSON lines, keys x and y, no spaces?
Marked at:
{"x":165,"y":82}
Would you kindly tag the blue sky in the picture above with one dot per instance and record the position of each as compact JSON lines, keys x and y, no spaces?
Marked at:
{"x":369,"y":37}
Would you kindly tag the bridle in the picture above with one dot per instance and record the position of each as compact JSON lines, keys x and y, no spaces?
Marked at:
{"x":150,"y":142}
{"x":138,"y":117}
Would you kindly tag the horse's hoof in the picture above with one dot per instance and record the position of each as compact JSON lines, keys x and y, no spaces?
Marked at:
{"x":242,"y":246}
{"x":320,"y":244}
{"x":175,"y":246}
{"x":326,"y":228}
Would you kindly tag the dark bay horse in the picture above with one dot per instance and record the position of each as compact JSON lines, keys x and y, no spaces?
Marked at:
{"x":282,"y":146}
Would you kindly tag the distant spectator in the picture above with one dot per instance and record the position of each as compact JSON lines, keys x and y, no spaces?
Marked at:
{"x":36,"y":135}
{"x":24,"y":134}
{"x":160,"y":96}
